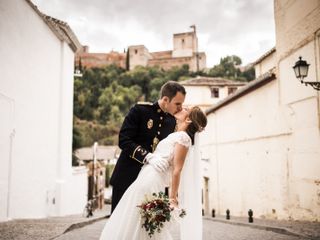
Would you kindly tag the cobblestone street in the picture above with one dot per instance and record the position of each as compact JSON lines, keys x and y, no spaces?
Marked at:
{"x":90,"y":232}
{"x":225,"y":231}
{"x":211,"y":231}
{"x":78,"y":227}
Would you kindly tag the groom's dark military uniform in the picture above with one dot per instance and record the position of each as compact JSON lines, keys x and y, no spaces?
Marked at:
{"x":144,"y":126}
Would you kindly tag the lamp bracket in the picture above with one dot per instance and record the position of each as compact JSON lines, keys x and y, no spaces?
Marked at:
{"x":315,"y":85}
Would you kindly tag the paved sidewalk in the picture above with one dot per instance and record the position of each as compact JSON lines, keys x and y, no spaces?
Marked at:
{"x":303,"y":229}
{"x":47,"y":228}
{"x":55,"y":227}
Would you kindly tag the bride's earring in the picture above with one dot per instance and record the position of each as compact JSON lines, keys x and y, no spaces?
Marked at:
{"x":188,"y":120}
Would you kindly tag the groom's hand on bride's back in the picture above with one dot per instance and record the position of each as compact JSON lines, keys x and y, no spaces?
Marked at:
{"x":158,"y":163}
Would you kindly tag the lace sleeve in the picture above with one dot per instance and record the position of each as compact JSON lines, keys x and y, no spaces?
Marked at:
{"x":184,"y":139}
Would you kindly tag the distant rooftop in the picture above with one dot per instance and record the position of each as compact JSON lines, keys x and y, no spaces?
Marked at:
{"x":184,"y":33}
{"x":211,"y":81}
{"x":265,"y":55}
{"x":104,"y":153}
{"x":251,"y":86}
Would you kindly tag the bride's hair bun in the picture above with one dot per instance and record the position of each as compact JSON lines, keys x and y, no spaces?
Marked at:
{"x":199,"y":121}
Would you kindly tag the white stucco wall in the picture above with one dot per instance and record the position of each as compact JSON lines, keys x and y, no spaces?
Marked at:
{"x":6,"y":135}
{"x":201,"y":95}
{"x":297,"y":34}
{"x":36,"y":70}
{"x":264,"y":156}
{"x":247,"y":144}
{"x":72,"y":192}
{"x":264,"y":66}
{"x":263,"y":148}
{"x":303,"y":103}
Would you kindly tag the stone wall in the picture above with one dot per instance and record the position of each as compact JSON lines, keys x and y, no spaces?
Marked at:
{"x":90,"y":60}
{"x":167,"y":63}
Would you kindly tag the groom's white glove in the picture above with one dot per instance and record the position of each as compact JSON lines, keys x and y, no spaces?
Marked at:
{"x":159,"y":163}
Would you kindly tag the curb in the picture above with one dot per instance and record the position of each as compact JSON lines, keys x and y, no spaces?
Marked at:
{"x":77,"y":225}
{"x":84,"y":223}
{"x":280,"y":230}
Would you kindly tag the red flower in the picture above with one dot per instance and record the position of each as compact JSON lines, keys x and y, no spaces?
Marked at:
{"x":155,"y":212}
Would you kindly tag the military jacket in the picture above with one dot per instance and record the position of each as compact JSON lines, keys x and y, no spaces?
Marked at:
{"x":144,"y":126}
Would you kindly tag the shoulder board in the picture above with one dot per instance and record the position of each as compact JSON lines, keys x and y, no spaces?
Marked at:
{"x":145,"y":103}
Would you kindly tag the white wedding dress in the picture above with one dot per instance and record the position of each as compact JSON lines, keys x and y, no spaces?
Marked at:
{"x":125,"y":222}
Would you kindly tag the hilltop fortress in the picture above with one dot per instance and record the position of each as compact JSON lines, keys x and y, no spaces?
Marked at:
{"x":185,"y":51}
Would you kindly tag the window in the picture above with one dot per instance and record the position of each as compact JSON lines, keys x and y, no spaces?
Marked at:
{"x":231,"y":90}
{"x":215,"y":92}
{"x":136,"y":51}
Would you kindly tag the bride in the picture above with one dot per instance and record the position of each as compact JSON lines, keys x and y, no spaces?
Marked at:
{"x":125,"y":222}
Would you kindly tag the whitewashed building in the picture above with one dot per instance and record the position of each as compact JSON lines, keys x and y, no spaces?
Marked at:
{"x":205,"y":91}
{"x":262,"y":144}
{"x":266,"y":62}
{"x":107,"y":154}
{"x":36,"y":108}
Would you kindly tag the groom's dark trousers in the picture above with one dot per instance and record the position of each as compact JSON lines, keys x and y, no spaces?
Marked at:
{"x":144,"y":126}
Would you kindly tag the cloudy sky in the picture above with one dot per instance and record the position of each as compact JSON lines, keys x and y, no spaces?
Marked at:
{"x":224,"y":27}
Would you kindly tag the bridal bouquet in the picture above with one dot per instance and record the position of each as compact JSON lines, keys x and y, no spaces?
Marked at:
{"x":155,"y":212}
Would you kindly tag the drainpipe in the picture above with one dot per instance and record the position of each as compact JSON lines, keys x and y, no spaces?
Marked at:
{"x":217,"y":159}
{"x":317,"y":64}
{"x":11,"y":137}
{"x":12,"y":134}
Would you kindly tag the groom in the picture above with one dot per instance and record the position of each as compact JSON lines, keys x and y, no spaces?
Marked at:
{"x":145,"y":125}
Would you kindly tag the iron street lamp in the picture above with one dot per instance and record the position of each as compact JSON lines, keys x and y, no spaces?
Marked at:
{"x":301,"y":70}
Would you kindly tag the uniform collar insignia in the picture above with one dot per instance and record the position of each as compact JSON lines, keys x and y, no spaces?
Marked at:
{"x":159,"y":110}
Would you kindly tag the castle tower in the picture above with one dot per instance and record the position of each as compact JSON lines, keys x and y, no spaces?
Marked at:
{"x":185,"y":44}
{"x":138,"y":55}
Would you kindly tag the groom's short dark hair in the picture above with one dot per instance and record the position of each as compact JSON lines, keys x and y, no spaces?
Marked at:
{"x":170,"y":89}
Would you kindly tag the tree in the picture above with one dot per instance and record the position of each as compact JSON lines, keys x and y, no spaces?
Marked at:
{"x":103,"y":96}
{"x":249,"y":74}
{"x":175,"y":73}
{"x":116,"y":100}
{"x":155,"y":86}
{"x":76,"y":143}
{"x":142,"y":77}
{"x":229,"y":67}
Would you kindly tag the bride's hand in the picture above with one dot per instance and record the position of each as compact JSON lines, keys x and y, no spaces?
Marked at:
{"x":159,"y":163}
{"x":173,"y":203}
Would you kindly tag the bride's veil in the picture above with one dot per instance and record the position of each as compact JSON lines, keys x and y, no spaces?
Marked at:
{"x":190,"y":194}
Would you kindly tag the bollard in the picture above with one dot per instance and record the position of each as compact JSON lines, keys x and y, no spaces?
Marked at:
{"x":228,"y":214}
{"x":89,"y":208}
{"x":213,"y":213}
{"x":250,"y":213}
